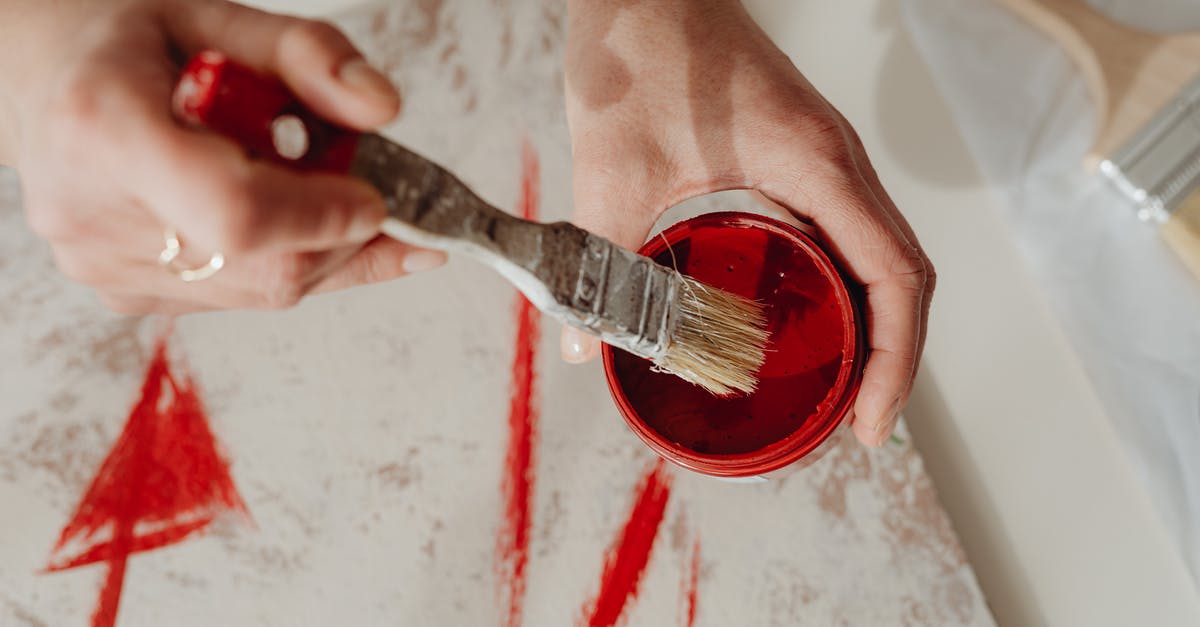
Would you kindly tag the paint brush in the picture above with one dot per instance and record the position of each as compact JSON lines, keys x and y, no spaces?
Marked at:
{"x":707,"y":336}
{"x":1146,"y":89}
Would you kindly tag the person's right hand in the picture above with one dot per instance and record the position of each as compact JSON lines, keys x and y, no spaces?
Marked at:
{"x":104,"y":167}
{"x":672,"y":99}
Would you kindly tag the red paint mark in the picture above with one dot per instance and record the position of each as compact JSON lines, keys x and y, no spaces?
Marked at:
{"x":626,"y":559}
{"x":691,"y":583}
{"x":517,"y":483}
{"x":163,"y":480}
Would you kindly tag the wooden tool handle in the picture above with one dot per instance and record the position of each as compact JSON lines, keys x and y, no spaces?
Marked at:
{"x":1132,"y":74}
{"x":427,"y":205}
{"x":1182,"y":232}
{"x":261,"y":114}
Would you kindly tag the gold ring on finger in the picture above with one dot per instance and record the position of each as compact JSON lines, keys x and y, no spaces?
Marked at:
{"x":169,"y":259}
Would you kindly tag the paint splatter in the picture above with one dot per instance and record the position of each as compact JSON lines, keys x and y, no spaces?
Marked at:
{"x":163,"y":480}
{"x":626,"y":559}
{"x":691,"y":584}
{"x":517,"y":482}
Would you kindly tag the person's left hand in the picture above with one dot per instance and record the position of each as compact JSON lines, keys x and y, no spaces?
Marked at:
{"x":105,"y":168}
{"x":671,"y":99}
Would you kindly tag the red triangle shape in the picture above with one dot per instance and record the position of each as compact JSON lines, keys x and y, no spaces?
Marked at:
{"x":163,"y":480}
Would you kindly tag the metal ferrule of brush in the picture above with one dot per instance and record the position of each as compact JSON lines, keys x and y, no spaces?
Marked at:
{"x":624,"y":297}
{"x":1160,"y":166}
{"x":578,"y":278}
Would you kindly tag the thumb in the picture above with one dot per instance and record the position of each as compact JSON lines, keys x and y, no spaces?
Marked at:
{"x":617,"y":208}
{"x":316,"y":61}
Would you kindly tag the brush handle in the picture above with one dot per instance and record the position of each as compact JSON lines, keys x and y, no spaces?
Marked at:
{"x":252,"y":109}
{"x":577,"y":277}
{"x":427,"y":205}
{"x":1132,"y":74}
{"x":1182,"y":231}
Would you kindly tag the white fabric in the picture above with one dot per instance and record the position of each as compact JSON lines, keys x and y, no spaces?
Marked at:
{"x":1130,"y":308}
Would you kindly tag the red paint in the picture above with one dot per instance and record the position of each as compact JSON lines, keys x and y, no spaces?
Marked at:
{"x":626,"y":559}
{"x":813,"y":361}
{"x":240,"y":103}
{"x":691,"y":584}
{"x":517,"y":483}
{"x":163,"y":480}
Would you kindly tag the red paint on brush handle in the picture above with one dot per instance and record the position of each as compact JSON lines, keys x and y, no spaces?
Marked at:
{"x":240,"y":103}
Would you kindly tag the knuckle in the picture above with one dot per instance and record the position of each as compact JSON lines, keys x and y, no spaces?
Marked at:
{"x":281,"y":297}
{"x":287,"y":282}
{"x":368,"y":268}
{"x":931,"y":277}
{"x":79,"y":110}
{"x":291,"y":269}
{"x":378,"y":266}
{"x":314,"y":34}
{"x":825,"y":131}
{"x":235,"y":218}
{"x":77,"y":269}
{"x":820,"y":136}
{"x":840,"y":158}
{"x":51,"y":221}
{"x":910,"y":266}
{"x":337,"y":220}
{"x":906,"y":354}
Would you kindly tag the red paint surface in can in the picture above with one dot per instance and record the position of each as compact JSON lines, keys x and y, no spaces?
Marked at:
{"x":814,"y":361}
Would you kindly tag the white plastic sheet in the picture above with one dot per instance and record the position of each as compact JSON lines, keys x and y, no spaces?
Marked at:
{"x":1130,"y":308}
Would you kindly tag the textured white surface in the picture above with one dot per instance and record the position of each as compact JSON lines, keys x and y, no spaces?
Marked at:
{"x":367,"y":427}
{"x":1130,"y":308}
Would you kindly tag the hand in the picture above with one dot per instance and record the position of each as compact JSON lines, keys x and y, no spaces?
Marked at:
{"x":86,"y":119}
{"x":671,"y":99}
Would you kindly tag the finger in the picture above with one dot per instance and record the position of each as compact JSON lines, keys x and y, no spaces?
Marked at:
{"x":206,"y":189}
{"x":878,"y":434}
{"x":613,"y":204}
{"x":131,"y":239}
{"x":867,"y":170}
{"x":316,"y":61}
{"x":876,"y":253}
{"x":205,"y":186}
{"x":382,"y":259}
{"x":121,"y":255}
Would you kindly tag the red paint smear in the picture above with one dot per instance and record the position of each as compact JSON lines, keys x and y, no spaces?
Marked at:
{"x":163,"y":480}
{"x":626,"y":559}
{"x":512,"y":544}
{"x":691,"y":583}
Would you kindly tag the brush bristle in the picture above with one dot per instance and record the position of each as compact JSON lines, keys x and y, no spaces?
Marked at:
{"x":719,"y":340}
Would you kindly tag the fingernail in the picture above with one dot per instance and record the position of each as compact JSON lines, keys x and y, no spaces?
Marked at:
{"x":359,"y":76}
{"x":423,"y":260}
{"x":575,"y":345}
{"x":884,"y":427}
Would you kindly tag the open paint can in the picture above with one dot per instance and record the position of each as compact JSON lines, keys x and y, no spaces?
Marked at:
{"x":814,"y":364}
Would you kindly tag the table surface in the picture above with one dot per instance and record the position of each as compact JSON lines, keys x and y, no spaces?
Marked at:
{"x":376,"y":434}
{"x":1050,"y":516}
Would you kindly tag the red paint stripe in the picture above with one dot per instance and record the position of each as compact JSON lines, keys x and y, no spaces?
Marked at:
{"x":626,"y":559}
{"x":691,"y":584}
{"x":105,"y":614}
{"x":517,"y":483}
{"x":163,"y":480}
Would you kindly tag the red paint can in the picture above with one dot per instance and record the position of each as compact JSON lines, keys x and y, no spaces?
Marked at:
{"x":814,"y":363}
